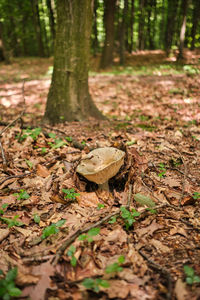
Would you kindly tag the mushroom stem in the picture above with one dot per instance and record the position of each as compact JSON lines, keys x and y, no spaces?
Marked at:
{"x":104,"y":186}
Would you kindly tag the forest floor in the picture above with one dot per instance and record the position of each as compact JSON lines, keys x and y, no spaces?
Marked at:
{"x":65,"y":238}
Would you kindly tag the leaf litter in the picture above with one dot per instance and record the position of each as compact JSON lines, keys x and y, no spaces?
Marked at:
{"x":155,"y":120}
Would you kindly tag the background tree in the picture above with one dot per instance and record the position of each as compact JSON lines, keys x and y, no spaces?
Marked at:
{"x":183,"y":28}
{"x":109,"y":16}
{"x":68,"y":98}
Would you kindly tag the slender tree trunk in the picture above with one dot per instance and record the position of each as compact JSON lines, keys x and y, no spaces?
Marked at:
{"x":195,"y":21}
{"x":51,"y":22}
{"x":141,"y":25}
{"x":7,"y":53}
{"x":122,"y":35}
{"x":95,"y":42}
{"x":131,"y":25}
{"x":170,"y":25}
{"x":68,"y":98}
{"x":109,"y":15}
{"x":37,"y":25}
{"x":183,"y":28}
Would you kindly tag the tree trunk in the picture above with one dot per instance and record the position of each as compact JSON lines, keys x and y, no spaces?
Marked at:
{"x":68,"y":98}
{"x":107,"y":54}
{"x":195,"y":21}
{"x":170,"y":25}
{"x":141,"y":25}
{"x":131,"y":25}
{"x":95,"y":42}
{"x":37,"y":25}
{"x":183,"y":28}
{"x":122,"y":35}
{"x":51,"y":21}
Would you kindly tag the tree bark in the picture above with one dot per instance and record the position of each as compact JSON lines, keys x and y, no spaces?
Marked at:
{"x":183,"y":28}
{"x":95,"y":42}
{"x":68,"y":98}
{"x":131,"y":25}
{"x":37,"y":25}
{"x":51,"y":21}
{"x":141,"y":25}
{"x":122,"y":35}
{"x":109,"y":15}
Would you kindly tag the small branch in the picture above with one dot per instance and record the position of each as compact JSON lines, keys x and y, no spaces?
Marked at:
{"x":3,"y":156}
{"x":162,"y":270}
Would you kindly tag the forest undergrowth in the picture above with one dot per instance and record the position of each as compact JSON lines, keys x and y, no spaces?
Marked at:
{"x":63,"y":238}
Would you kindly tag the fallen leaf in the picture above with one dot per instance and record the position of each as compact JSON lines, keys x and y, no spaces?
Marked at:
{"x":87,"y":199}
{"x":42,"y":171}
{"x":180,"y":290}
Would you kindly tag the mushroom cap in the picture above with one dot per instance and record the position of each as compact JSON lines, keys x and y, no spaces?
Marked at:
{"x":101,"y":164}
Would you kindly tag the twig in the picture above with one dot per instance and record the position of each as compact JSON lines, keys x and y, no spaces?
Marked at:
{"x":16,"y":176}
{"x":162,"y":270}
{"x":3,"y":156}
{"x":129,"y":195}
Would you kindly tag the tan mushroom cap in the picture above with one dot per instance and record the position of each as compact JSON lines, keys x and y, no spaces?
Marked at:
{"x":101,"y":164}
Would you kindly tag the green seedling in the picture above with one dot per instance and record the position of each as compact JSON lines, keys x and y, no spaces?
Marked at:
{"x":100,"y":206}
{"x":11,"y":222}
{"x":33,"y":133}
{"x":70,"y":253}
{"x":116,"y":267}
{"x":162,"y":170}
{"x":175,"y":162}
{"x":68,"y":138}
{"x":58,"y":143}
{"x":70,"y":194}
{"x":43,"y":150}
{"x":113,"y":220}
{"x":7,"y":285}
{"x":3,"y":207}
{"x":29,"y":163}
{"x":153,"y":211}
{"x":128,"y":216}
{"x":196,"y":196}
{"x":36,"y":218}
{"x":191,"y":278}
{"x":95,"y":284}
{"x":92,"y":232}
{"x":22,"y":195}
{"x":83,"y":142}
{"x":52,"y":229}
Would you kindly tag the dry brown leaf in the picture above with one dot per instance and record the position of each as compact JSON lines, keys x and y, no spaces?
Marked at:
{"x":159,"y":246}
{"x":3,"y":234}
{"x":42,"y":171}
{"x":149,"y":230}
{"x":87,"y":199}
{"x":180,"y":290}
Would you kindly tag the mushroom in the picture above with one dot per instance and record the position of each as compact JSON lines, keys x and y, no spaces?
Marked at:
{"x":100,"y":165}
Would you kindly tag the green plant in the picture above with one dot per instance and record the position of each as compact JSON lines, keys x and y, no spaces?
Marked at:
{"x":113,"y":220}
{"x":70,"y":194}
{"x":29,"y":163}
{"x":70,"y":253}
{"x":92,"y":232}
{"x":7,"y":285}
{"x":191,"y":278}
{"x":52,"y":229}
{"x":11,"y":222}
{"x":22,"y":195}
{"x":43,"y":150}
{"x":128,"y":216}
{"x":68,"y":138}
{"x":100,"y":206}
{"x":58,"y":143}
{"x":196,"y":196}
{"x":36,"y":218}
{"x":144,"y":200}
{"x":3,"y":207}
{"x":95,"y":284}
{"x":33,"y":133}
{"x":162,"y":170}
{"x":115,"y":267}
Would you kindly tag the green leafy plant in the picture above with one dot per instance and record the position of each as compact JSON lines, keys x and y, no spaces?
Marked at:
{"x":11,"y":222}
{"x":29,"y":163}
{"x":196,"y":196}
{"x":43,"y":150}
{"x":92,"y":232}
{"x":36,"y":218}
{"x":128,"y":216}
{"x":162,"y":169}
{"x":22,"y":195}
{"x":191,"y":278}
{"x":33,"y":133}
{"x":68,"y":138}
{"x":70,"y":253}
{"x":3,"y":207}
{"x":52,"y":229}
{"x":58,"y":143}
{"x":100,"y":206}
{"x":7,"y":285}
{"x":95,"y":284}
{"x":70,"y":194}
{"x":113,"y":220}
{"x":116,"y":267}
